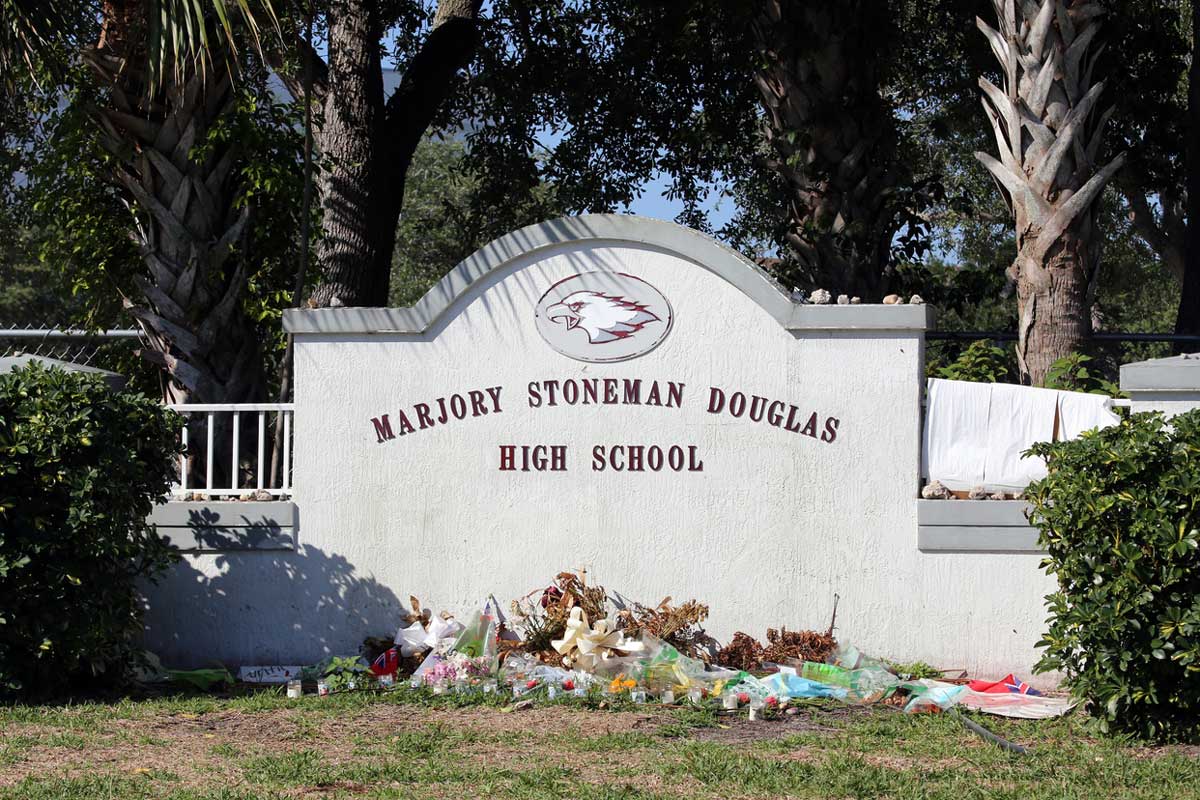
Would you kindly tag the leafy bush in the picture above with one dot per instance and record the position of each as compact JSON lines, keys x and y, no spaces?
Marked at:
{"x":1078,"y":373}
{"x":80,"y":468}
{"x":981,"y":362}
{"x":1119,"y":514}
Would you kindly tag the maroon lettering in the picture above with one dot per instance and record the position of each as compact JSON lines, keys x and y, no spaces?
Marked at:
{"x":694,"y":463}
{"x":633,"y":392}
{"x":423,"y":417}
{"x":612,"y":458}
{"x":477,"y":406}
{"x":383,"y":429}
{"x":675,"y":457}
{"x":590,"y":390}
{"x":654,"y":458}
{"x":610,"y":394}
{"x":831,"y":426}
{"x":810,"y":428}
{"x":788,"y":426}
{"x":507,"y":454}
{"x":442,"y":409}
{"x":598,"y":458}
{"x":761,"y":402}
{"x":775,"y":413}
{"x":558,"y":458}
{"x":716,"y":400}
{"x":535,"y":396}
{"x":636,"y":453}
{"x":655,"y":397}
{"x":458,"y":406}
{"x":494,"y":393}
{"x":674,"y":394}
{"x":737,"y":404}
{"x":405,"y":425}
{"x":570,"y":392}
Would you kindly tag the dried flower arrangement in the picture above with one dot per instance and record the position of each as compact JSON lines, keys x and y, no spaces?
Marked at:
{"x":743,"y":652}
{"x":784,"y":646}
{"x":678,"y":626}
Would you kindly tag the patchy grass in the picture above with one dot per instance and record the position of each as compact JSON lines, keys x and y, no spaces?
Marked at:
{"x":411,"y":744}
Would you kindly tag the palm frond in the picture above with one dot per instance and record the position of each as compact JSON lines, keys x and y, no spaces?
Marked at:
{"x":180,"y":35}
{"x":201,"y":34}
{"x":29,"y":32}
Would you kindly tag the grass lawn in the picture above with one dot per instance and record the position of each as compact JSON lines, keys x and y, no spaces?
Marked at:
{"x":409,"y":744}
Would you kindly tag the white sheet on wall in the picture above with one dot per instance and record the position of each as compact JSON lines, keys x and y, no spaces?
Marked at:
{"x":975,"y":433}
{"x":1079,"y":412}
{"x":1018,"y":416}
{"x":956,"y":432}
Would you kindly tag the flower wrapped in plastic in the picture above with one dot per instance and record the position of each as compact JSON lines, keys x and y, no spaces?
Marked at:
{"x":585,"y":646}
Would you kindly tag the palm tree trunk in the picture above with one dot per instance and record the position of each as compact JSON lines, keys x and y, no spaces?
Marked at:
{"x":1049,"y":139}
{"x":187,"y":223}
{"x":833,"y":137}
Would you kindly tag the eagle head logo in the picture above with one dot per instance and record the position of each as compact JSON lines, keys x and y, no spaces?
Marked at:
{"x":604,"y":317}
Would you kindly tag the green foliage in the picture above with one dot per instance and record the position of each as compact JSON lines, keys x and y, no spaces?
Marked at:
{"x":982,"y":362}
{"x":915,"y":670}
{"x":80,"y":469}
{"x":1119,"y":514}
{"x":1073,"y":374}
{"x":340,"y":671}
{"x":67,"y":254}
{"x":446,"y":217}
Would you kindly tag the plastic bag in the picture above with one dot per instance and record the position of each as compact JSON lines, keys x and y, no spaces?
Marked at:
{"x":416,"y":638}
{"x":786,"y":683}
{"x":932,"y":696}
{"x":869,"y":684}
{"x":1019,"y":706}
{"x":478,"y":638}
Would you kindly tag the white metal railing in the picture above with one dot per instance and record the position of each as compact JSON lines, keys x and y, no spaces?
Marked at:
{"x":210,"y":411}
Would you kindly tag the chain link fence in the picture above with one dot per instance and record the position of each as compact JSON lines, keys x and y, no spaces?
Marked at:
{"x":91,"y":348}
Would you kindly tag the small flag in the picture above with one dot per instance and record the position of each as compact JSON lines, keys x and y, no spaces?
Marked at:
{"x":1007,"y":684}
{"x":387,"y":663}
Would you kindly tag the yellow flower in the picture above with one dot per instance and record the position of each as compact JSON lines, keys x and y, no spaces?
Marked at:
{"x":620,"y":684}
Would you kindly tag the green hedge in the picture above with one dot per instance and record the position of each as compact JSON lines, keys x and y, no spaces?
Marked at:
{"x":1119,"y":515}
{"x":80,"y":469}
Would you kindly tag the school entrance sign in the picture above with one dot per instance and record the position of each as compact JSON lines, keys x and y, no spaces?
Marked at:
{"x":629,"y":396}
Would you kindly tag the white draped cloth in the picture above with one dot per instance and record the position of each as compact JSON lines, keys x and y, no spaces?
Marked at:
{"x":975,"y":433}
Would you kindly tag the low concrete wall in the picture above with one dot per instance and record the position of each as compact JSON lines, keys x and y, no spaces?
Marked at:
{"x":975,"y":526}
{"x":1170,"y":385}
{"x":217,"y":527}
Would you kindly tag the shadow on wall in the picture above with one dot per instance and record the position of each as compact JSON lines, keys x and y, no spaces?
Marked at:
{"x":248,"y":605}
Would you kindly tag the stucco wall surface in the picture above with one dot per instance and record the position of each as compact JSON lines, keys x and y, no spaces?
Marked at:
{"x":774,"y":526}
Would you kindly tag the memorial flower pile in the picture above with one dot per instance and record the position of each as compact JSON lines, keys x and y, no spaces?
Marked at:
{"x":573,"y":638}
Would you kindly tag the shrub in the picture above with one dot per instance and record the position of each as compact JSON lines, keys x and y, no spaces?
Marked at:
{"x":80,"y":468}
{"x":1078,"y":373}
{"x":981,"y":362}
{"x":1119,"y":514}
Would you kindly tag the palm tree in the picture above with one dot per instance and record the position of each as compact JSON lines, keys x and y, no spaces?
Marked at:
{"x":167,"y":66}
{"x":1048,"y":134}
{"x":168,"y":69}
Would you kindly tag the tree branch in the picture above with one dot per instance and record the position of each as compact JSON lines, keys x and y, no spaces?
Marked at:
{"x":1168,"y":247}
{"x":429,"y":79}
{"x":294,"y":81}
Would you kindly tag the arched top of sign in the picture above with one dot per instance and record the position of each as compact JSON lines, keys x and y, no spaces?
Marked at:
{"x":613,"y":229}
{"x":603,"y":316}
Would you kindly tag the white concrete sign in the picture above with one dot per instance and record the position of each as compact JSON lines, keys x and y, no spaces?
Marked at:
{"x":628,"y":396}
